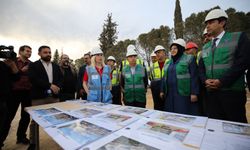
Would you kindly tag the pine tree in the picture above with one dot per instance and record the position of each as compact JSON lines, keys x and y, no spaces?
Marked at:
{"x":178,"y":23}
{"x":108,"y":36}
{"x":56,"y":57}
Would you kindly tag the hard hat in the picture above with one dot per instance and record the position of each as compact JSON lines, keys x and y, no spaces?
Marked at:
{"x":96,"y":51}
{"x":131,"y":47}
{"x":215,"y":14}
{"x":205,"y":31}
{"x":191,"y":45}
{"x":153,"y":54}
{"x":111,"y":58}
{"x":180,"y":42}
{"x":159,"y":47}
{"x":131,"y":52}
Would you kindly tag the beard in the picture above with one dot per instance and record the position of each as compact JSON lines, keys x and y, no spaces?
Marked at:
{"x":66,"y":63}
{"x":46,"y":58}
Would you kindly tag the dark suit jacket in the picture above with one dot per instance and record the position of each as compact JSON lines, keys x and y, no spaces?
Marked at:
{"x":40,"y":81}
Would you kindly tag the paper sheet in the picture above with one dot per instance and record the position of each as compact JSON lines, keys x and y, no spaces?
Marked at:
{"x":54,"y":119}
{"x":135,"y":110}
{"x":115,"y":120}
{"x":122,"y":141}
{"x":86,"y":112}
{"x":44,"y":111}
{"x":77,"y":134}
{"x":180,"y":119}
{"x":227,"y":127}
{"x":221,"y":141}
{"x":170,"y":134}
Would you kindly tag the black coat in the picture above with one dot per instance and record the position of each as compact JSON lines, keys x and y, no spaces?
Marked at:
{"x":40,"y":81}
{"x":6,"y":80}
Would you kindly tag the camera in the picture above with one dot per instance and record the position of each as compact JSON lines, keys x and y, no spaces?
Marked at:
{"x":7,"y":52}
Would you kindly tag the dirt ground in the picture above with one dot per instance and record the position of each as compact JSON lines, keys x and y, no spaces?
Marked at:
{"x":46,"y":142}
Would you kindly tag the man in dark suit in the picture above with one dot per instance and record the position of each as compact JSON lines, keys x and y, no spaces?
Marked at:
{"x":222,"y":66}
{"x":46,"y":79}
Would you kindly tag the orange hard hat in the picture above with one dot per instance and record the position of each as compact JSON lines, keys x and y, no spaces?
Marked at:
{"x":191,"y":45}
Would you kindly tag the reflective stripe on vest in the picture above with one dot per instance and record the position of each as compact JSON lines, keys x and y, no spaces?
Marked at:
{"x":96,"y":74}
{"x":182,"y":74}
{"x":134,"y":84}
{"x":99,"y":86}
{"x":223,"y":59}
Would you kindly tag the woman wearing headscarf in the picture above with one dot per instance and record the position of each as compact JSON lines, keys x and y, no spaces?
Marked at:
{"x":96,"y":80}
{"x":180,"y":81}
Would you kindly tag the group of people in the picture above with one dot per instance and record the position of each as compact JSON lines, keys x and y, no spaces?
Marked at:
{"x":210,"y":82}
{"x":30,"y":84}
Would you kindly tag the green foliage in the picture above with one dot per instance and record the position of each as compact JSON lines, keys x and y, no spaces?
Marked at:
{"x":119,"y":50}
{"x":178,"y":22}
{"x":194,"y":24}
{"x":78,"y":63}
{"x":148,"y":41}
{"x":238,"y":21}
{"x":155,"y":37}
{"x":56,"y":57}
{"x":108,"y":36}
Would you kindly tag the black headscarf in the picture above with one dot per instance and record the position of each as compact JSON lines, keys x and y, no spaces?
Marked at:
{"x":179,"y":52}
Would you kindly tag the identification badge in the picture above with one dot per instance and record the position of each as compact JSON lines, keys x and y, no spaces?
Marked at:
{"x":94,"y":77}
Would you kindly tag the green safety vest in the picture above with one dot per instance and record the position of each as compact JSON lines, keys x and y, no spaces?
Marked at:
{"x":182,"y":74}
{"x":134,"y":88}
{"x":115,"y":77}
{"x":218,"y":64}
{"x":155,"y":71}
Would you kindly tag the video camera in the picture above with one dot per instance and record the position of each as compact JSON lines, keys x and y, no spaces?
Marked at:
{"x":7,"y":52}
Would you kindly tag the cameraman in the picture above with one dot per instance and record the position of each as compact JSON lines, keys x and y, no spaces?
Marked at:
{"x":20,"y":94}
{"x":8,"y":74}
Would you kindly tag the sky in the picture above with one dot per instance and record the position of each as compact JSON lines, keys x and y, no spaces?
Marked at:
{"x":73,"y":26}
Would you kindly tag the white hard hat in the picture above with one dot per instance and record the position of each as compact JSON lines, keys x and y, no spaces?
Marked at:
{"x":131,"y":52}
{"x":96,"y":51}
{"x":159,"y":47}
{"x":215,"y":14}
{"x":205,"y":31}
{"x":153,"y":54}
{"x":131,"y":47}
{"x":180,"y":42}
{"x":111,"y":58}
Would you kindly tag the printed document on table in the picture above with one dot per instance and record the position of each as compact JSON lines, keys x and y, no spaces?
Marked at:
{"x":135,"y":110}
{"x":219,"y":140}
{"x":77,"y":134}
{"x":180,"y":119}
{"x":44,"y":111}
{"x":86,"y":112}
{"x":183,"y":137}
{"x":54,"y":119}
{"x":115,"y":120}
{"x":227,"y":127}
{"x":121,"y":140}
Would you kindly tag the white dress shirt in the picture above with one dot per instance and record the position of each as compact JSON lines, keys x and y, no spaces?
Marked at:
{"x":219,"y":38}
{"x":49,"y":70}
